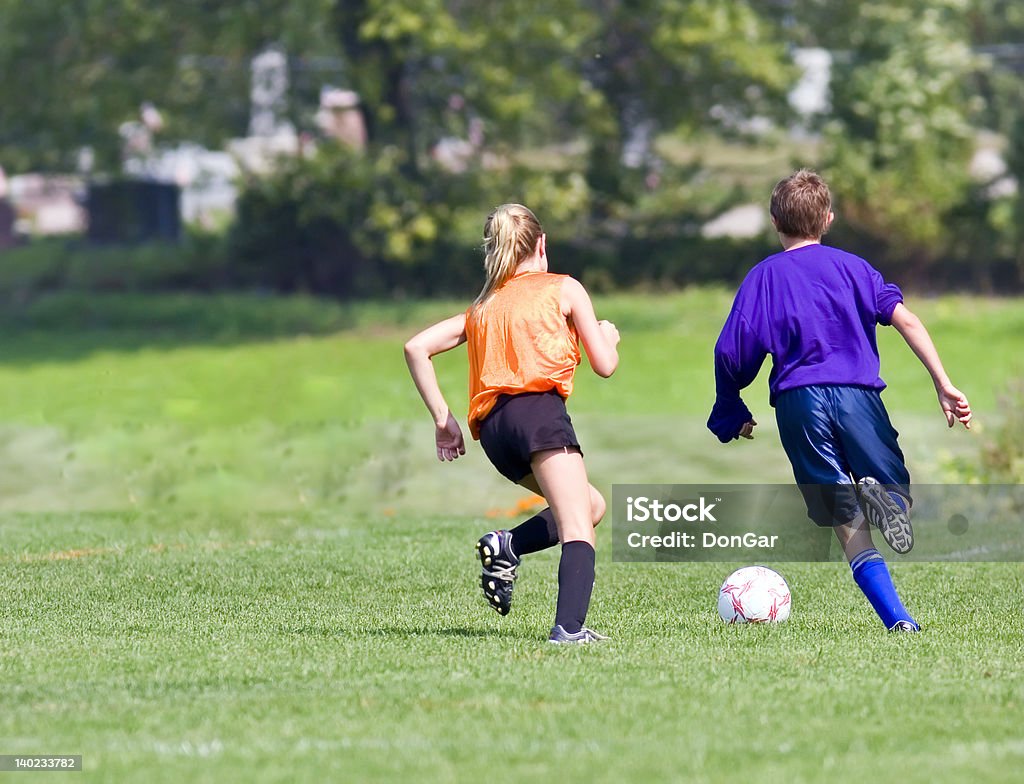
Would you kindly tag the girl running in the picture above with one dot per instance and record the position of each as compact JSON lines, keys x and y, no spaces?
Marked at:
{"x":523,"y":332}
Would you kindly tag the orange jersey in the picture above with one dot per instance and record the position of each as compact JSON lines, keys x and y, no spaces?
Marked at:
{"x":519,"y":341}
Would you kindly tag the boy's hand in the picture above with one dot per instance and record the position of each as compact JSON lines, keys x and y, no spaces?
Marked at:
{"x":448,"y":437}
{"x":747,"y":431}
{"x":955,"y":406}
{"x":610,"y":332}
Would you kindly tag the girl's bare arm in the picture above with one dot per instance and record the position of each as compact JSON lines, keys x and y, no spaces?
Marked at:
{"x":599,"y":338}
{"x":436,"y":339}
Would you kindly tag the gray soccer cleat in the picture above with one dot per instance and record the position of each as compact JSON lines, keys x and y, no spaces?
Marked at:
{"x":886,"y":514}
{"x":560,"y":636}
{"x":905,"y":626}
{"x":498,"y":569}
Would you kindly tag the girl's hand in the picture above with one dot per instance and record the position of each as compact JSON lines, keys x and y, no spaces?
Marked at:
{"x":448,"y":437}
{"x":610,"y":332}
{"x":955,"y":406}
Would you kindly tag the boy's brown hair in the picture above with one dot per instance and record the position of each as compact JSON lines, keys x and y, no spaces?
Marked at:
{"x":801,"y":204}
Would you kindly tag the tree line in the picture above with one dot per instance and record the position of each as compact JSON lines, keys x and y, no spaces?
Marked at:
{"x":574,"y":102}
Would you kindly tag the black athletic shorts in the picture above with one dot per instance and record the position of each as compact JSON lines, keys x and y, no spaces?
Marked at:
{"x":520,"y":425}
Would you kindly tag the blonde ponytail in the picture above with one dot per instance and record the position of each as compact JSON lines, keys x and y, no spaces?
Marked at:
{"x":510,"y":235}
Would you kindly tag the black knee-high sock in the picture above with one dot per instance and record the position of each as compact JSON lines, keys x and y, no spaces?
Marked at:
{"x":536,"y":534}
{"x":575,"y":584}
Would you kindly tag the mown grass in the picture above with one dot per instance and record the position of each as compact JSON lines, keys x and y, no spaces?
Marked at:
{"x":167,"y":407}
{"x":327,"y":646}
{"x":228,"y":554}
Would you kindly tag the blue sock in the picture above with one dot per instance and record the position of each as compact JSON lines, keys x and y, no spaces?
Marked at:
{"x":873,"y":578}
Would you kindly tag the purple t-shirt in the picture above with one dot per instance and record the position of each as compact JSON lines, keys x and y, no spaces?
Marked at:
{"x":814,"y":309}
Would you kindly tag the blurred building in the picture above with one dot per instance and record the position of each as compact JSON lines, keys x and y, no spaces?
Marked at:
{"x":132,"y":211}
{"x":810,"y":95}
{"x":339,"y":117}
{"x":47,"y":204}
{"x":204,"y":181}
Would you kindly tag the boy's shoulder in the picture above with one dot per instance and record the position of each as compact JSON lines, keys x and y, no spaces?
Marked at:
{"x":802,"y":260}
{"x":770,"y":262}
{"x":809,"y":252}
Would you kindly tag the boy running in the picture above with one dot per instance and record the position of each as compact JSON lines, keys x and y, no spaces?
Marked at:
{"x":523,"y":333}
{"x":814,"y":309}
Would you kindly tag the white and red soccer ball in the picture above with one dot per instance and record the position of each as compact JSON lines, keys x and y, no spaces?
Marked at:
{"x":754,"y":594}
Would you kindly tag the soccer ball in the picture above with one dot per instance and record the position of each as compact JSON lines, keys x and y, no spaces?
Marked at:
{"x":754,"y":594}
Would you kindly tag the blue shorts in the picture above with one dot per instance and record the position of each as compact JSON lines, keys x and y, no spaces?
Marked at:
{"x":834,"y":436}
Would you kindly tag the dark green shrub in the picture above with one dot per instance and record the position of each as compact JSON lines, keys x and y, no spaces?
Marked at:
{"x":1002,"y":456}
{"x":197,"y":264}
{"x":30,"y":269}
{"x":354,"y":225}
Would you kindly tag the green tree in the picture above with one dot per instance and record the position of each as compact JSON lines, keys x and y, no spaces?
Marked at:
{"x":1015,"y":165}
{"x":424,"y":68}
{"x":537,"y":71}
{"x":901,"y":130}
{"x":997,"y":27}
{"x":612,"y":72}
{"x":74,"y":70}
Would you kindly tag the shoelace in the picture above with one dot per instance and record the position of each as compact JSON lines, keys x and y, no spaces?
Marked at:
{"x":506,"y":573}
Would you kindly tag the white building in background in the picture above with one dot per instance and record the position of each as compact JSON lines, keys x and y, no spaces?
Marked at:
{"x":741,"y":222}
{"x":271,"y":134}
{"x":206,"y":178}
{"x":810,"y":95}
{"x":340,"y":117}
{"x":47,"y":204}
{"x":268,"y":95}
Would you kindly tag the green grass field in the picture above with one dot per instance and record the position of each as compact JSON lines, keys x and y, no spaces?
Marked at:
{"x":227,"y":554}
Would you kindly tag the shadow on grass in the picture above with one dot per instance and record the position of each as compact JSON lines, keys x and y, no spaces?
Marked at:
{"x":442,"y":631}
{"x":71,"y":325}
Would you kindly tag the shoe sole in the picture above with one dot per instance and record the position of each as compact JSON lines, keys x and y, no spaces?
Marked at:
{"x":892,"y":523}
{"x":489,"y":584}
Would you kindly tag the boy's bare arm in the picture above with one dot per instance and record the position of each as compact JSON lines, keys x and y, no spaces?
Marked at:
{"x":954,"y":402}
{"x":440,"y":337}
